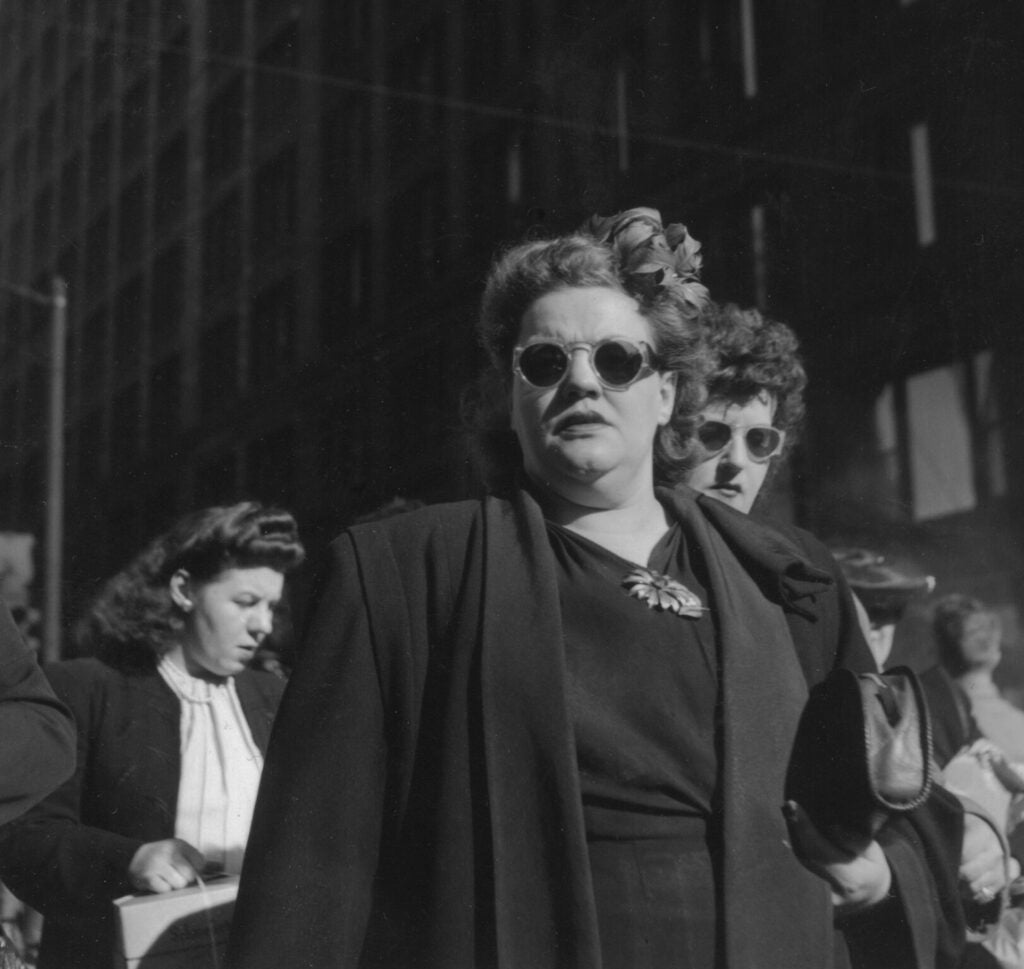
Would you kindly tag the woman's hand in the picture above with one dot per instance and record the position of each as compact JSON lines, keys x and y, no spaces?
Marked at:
{"x":163,"y":866}
{"x":858,"y":875}
{"x":983,"y":862}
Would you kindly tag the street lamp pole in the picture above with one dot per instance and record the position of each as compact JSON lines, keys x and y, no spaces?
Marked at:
{"x":57,"y":301}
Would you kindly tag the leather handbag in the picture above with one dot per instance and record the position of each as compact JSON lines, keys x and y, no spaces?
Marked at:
{"x":863,"y":751}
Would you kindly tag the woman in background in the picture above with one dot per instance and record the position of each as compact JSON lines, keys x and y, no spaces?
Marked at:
{"x":172,"y":727}
{"x":750,"y":421}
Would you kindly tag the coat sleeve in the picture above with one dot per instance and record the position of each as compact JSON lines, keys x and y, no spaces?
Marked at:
{"x":48,"y":857}
{"x":37,"y":735}
{"x":309,"y":869}
{"x":921,"y":925}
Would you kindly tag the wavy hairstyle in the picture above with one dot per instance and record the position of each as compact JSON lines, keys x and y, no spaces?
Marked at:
{"x":949,"y":618}
{"x":752,"y":355}
{"x":134,"y":616}
{"x":630,"y":253}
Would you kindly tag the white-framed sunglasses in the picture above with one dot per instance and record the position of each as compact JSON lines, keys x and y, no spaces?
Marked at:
{"x":762,"y":441}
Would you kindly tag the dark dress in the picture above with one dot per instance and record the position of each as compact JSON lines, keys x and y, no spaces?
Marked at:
{"x":68,"y":857}
{"x":643,"y":697}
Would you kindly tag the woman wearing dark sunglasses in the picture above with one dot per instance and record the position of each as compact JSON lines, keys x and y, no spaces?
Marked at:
{"x":548,"y":729}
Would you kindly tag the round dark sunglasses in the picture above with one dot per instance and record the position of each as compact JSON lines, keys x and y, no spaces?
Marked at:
{"x":618,"y":363}
{"x":763,"y":441}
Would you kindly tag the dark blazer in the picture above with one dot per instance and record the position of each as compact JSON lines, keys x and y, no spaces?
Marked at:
{"x":69,"y":856}
{"x":37,"y":734}
{"x":420,"y":804}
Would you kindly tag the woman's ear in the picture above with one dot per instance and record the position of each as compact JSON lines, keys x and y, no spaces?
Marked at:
{"x":181,"y":590}
{"x":667,"y":389}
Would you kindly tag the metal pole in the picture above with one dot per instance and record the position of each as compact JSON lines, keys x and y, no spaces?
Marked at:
{"x":55,"y":474}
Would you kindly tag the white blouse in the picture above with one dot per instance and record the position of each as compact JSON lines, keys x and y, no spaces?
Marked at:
{"x":220,"y":768}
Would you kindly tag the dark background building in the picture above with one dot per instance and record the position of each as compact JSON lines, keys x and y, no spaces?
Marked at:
{"x":274,"y":218}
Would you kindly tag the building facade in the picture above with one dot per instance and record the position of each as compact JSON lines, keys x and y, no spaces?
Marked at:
{"x":274,"y":219}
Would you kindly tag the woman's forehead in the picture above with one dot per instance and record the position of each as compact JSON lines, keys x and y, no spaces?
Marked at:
{"x":585,"y":313}
{"x":760,"y":408}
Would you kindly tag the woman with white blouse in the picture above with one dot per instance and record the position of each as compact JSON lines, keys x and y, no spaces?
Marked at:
{"x":172,"y":726}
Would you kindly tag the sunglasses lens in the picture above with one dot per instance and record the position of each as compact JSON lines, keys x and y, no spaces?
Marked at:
{"x":763,"y":442}
{"x":543,"y":364}
{"x":714,"y":435}
{"x":618,"y":363}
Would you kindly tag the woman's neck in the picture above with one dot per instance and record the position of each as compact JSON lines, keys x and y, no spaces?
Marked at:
{"x":629,"y":528}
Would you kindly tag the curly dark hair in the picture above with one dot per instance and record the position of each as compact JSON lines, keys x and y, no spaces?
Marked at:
{"x":751,"y":355}
{"x":133,"y":613}
{"x":525,"y":273}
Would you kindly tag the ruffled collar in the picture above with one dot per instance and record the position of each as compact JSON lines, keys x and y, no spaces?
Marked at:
{"x":187,"y":687}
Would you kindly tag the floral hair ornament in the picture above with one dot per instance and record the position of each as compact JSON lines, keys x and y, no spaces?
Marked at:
{"x":654,"y":258}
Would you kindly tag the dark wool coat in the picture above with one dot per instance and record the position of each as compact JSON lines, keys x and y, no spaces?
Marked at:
{"x":68,"y":857}
{"x":37,"y":734}
{"x":420,"y":804}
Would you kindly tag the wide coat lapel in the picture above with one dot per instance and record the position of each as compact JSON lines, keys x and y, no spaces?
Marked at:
{"x":543,"y":896}
{"x":763,"y":694}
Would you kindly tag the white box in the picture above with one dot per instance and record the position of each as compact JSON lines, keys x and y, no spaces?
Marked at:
{"x":184,"y":929}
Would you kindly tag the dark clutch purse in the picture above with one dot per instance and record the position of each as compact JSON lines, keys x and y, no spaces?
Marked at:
{"x":863,"y":750}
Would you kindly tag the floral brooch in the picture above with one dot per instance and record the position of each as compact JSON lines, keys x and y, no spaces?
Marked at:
{"x":662,"y":592}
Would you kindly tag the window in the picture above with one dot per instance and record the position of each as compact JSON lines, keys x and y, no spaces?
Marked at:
{"x":134,"y":123}
{"x":124,"y":434}
{"x":223,"y":246}
{"x":749,"y":42}
{"x":218,"y":366}
{"x":164,"y":402}
{"x":45,"y":143}
{"x":271,"y":333}
{"x":128,"y":322}
{"x":216,"y":480}
{"x":90,"y":455}
{"x":275,"y":200}
{"x":99,"y":162}
{"x":94,"y":343}
{"x":170,"y":184}
{"x":102,"y":71}
{"x":97,"y":253}
{"x":941,"y":465}
{"x":173,"y":18}
{"x":277,"y":90}
{"x":224,"y":130}
{"x":70,"y":192}
{"x":759,"y":251}
{"x":173,"y":82}
{"x":136,"y":20}
{"x":991,"y":445}
{"x":345,"y":158}
{"x":943,"y":430}
{"x":270,"y":462}
{"x":343,"y":285}
{"x":41,"y":223}
{"x":168,"y":304}
{"x":924,"y":199}
{"x":226,"y":25}
{"x":132,"y":221}
{"x":74,"y":101}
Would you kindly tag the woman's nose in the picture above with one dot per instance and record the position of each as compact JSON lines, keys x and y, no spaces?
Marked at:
{"x":736,"y":453}
{"x":579,"y":375}
{"x":262,"y":620}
